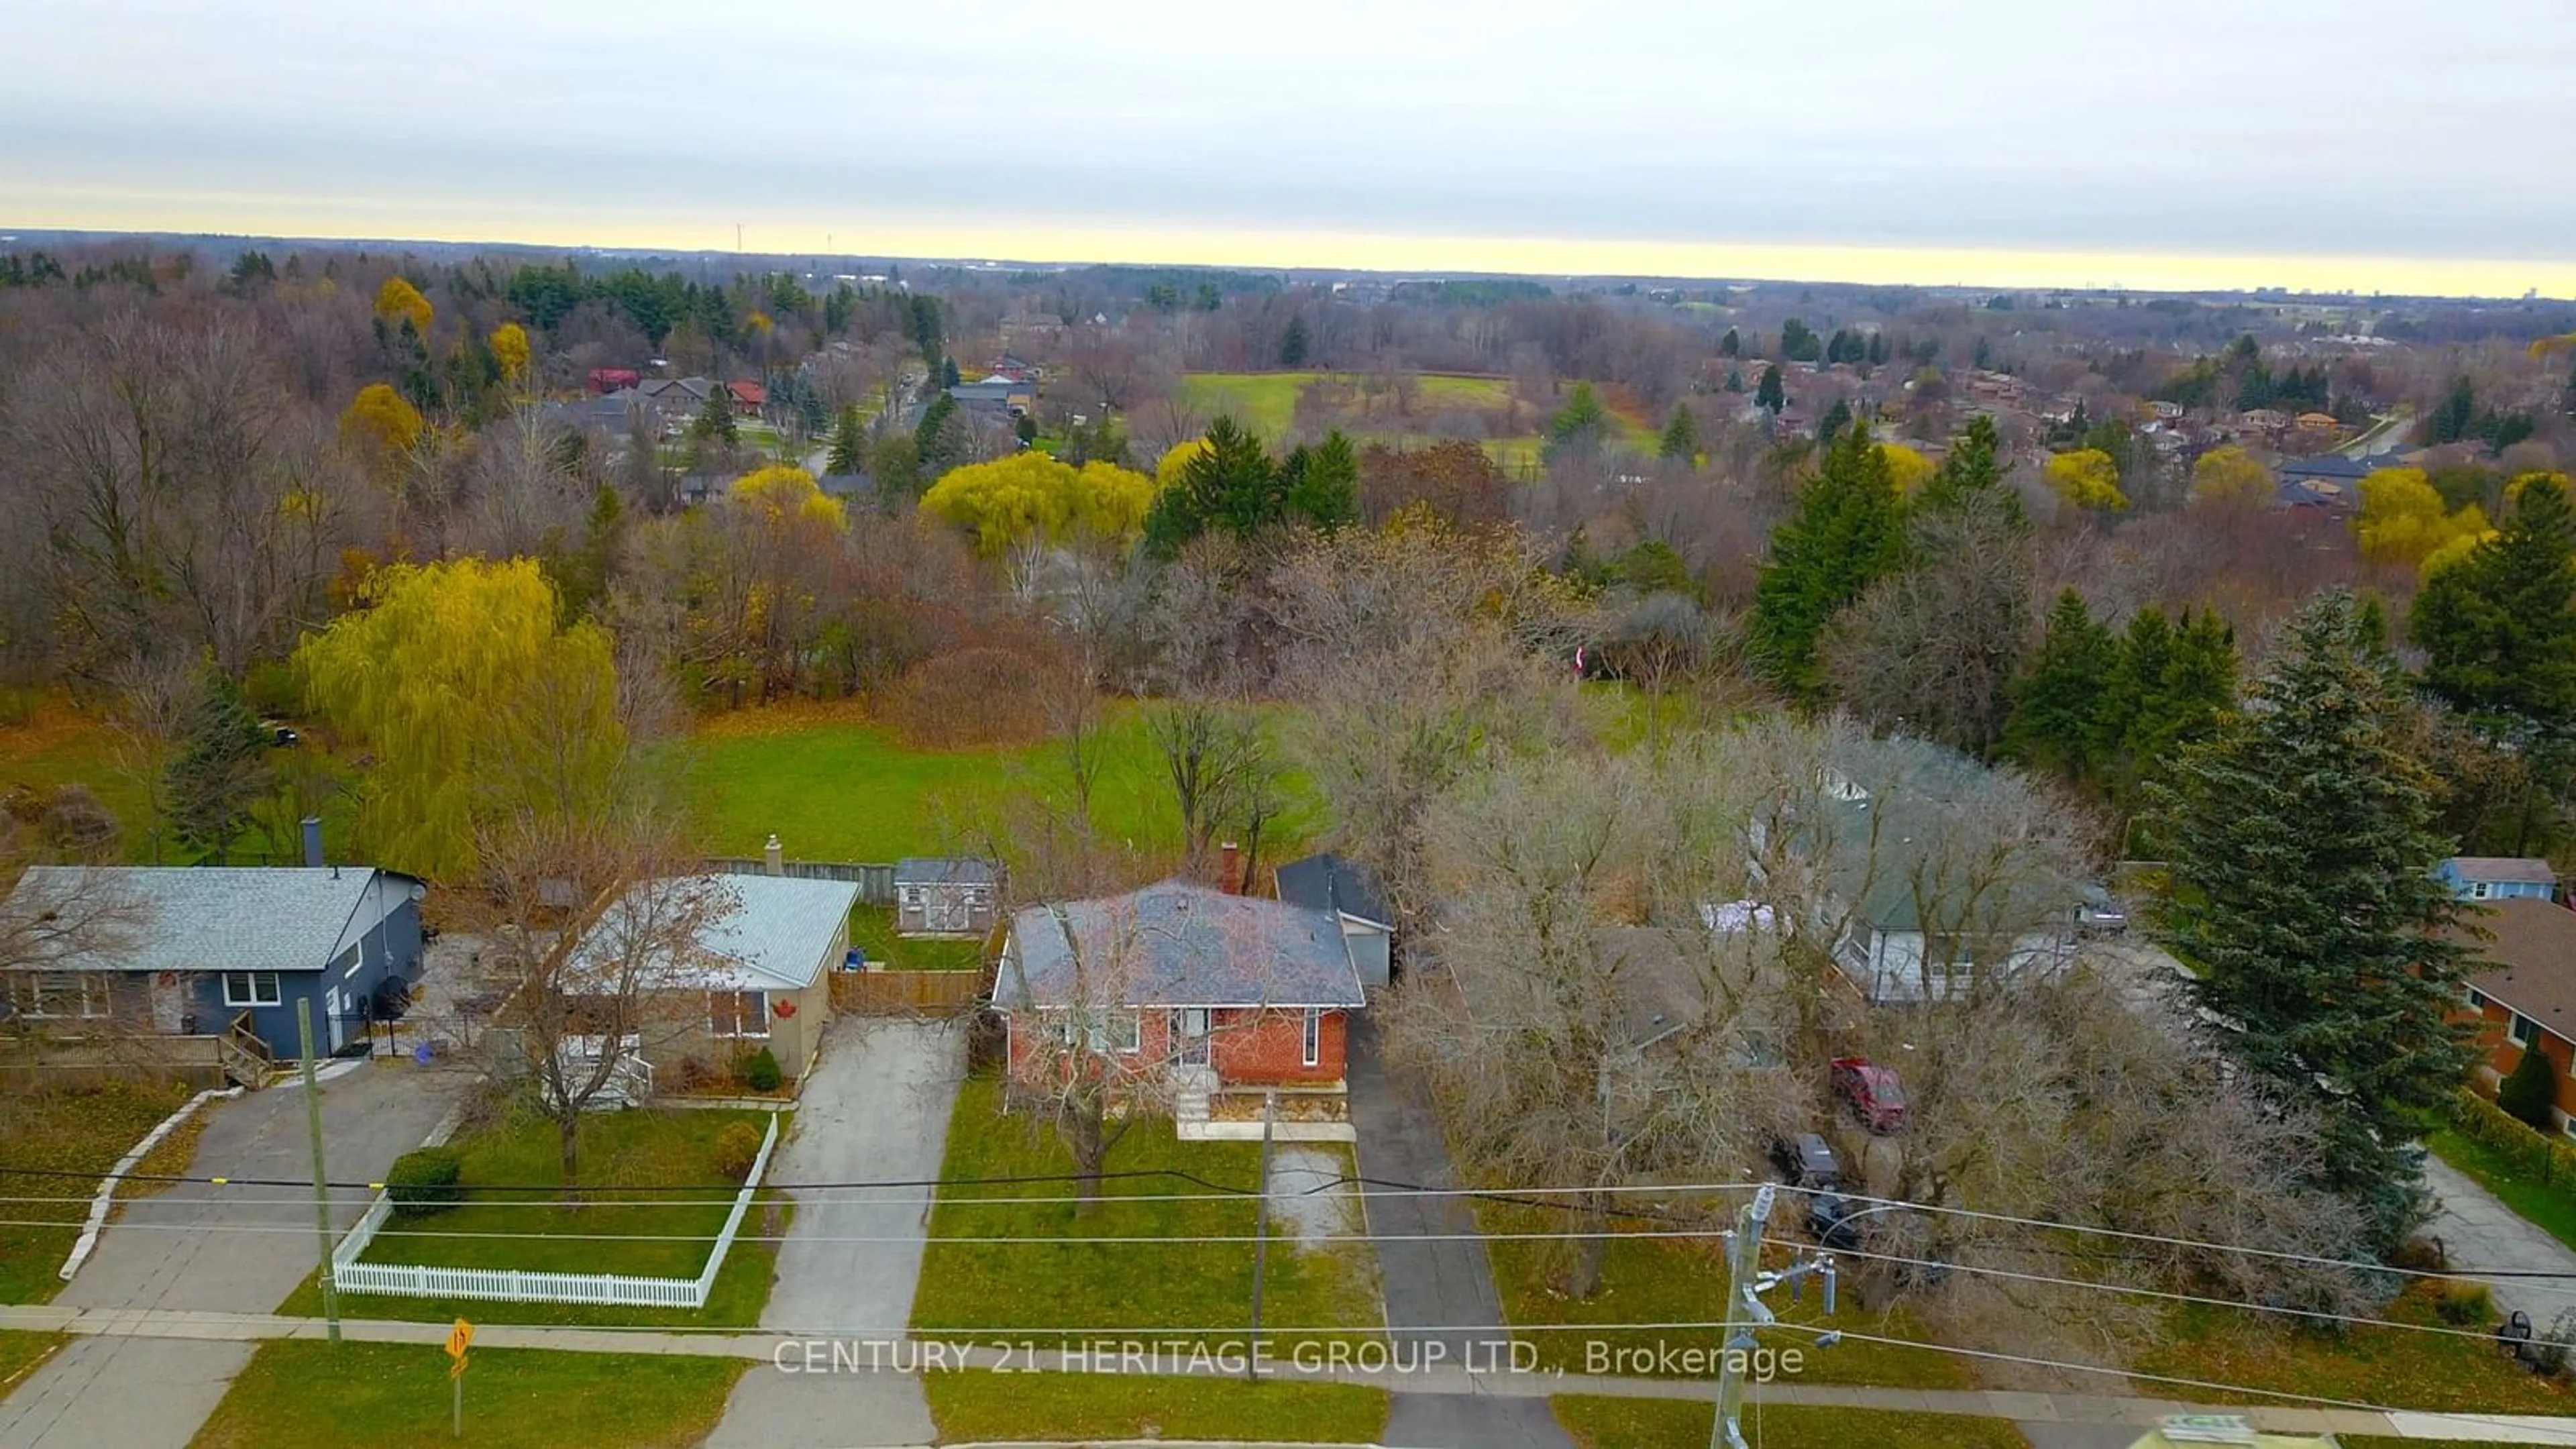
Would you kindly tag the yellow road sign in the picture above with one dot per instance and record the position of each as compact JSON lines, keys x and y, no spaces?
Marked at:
{"x":456,"y":1370}
{"x":458,"y":1339}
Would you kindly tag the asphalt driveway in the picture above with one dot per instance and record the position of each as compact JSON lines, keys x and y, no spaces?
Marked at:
{"x":238,"y":1249}
{"x":875,"y":1110}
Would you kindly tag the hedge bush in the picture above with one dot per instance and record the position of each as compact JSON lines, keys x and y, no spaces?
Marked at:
{"x":424,"y":1181}
{"x":737,"y":1147}
{"x":2536,"y":1155}
{"x":762,"y":1073}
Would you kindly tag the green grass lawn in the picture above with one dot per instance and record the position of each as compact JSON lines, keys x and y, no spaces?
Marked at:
{"x":648,"y":1235}
{"x":56,"y":745}
{"x":77,"y":1132}
{"x":21,"y":1352}
{"x":841,"y":790}
{"x":396,"y":1394}
{"x":1621,"y":1423}
{"x":975,"y":1405}
{"x":872,"y":929}
{"x":1679,"y":1280}
{"x":2383,"y":1366}
{"x":2551,"y":1207}
{"x":1191,"y":1289}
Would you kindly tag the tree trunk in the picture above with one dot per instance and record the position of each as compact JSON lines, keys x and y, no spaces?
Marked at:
{"x":1583,"y":1274}
{"x":568,"y":1131}
{"x":1089,"y":1148}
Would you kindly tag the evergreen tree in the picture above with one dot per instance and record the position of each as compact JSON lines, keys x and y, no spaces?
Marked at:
{"x":1323,"y":488}
{"x":1769,"y":393}
{"x":2456,"y":416}
{"x":1836,"y":418}
{"x":1877,"y":349}
{"x":2499,"y":626}
{"x":1680,"y":443}
{"x":1798,"y":342}
{"x":1732,"y":345}
{"x":948,"y":376}
{"x":1294,"y":344}
{"x":849,"y":446}
{"x":2129,"y":690}
{"x":2194,"y":687}
{"x":925,"y":330}
{"x":2056,"y":706}
{"x":942,"y":440}
{"x":1734,"y":380}
{"x":1229,"y":484}
{"x":2528,"y":1091}
{"x":220,"y":771}
{"x":1581,"y":421}
{"x":1848,"y":531}
{"x":714,"y":422}
{"x":2301,"y":841}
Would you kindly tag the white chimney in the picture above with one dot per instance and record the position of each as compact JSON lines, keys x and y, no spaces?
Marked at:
{"x":772,"y":858}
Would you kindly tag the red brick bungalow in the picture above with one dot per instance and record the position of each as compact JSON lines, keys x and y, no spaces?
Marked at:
{"x":2522,"y":994}
{"x":1229,"y":1003}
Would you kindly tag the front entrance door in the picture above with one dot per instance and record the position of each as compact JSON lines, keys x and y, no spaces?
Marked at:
{"x":1190,"y":1029}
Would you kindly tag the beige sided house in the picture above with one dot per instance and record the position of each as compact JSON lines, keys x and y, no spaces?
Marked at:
{"x":766,"y":979}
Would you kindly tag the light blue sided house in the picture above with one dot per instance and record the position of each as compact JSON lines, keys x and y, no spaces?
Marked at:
{"x":2498,"y":878}
{"x":204,"y":950}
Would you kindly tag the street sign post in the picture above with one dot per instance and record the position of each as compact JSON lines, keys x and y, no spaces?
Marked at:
{"x":459,"y":1339}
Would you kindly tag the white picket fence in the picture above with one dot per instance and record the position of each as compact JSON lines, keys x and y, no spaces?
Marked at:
{"x":512,"y":1285}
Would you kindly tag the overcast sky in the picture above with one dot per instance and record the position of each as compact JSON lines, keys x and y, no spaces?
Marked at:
{"x":2389,"y":142}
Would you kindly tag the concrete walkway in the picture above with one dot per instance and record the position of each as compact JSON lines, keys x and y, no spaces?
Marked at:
{"x":2482,"y":1235}
{"x":1432,"y":1280}
{"x":1528,"y":1392}
{"x":875,"y":1109}
{"x":180,"y":1252}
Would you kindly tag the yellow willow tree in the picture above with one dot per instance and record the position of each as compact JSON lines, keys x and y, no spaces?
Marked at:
{"x":381,"y":427}
{"x":2087,"y":478}
{"x":2403,"y":519}
{"x":476,"y":707}
{"x":511,"y":352}
{"x":398,"y":301}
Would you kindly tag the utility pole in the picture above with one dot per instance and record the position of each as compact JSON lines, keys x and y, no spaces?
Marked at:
{"x":1261,"y":1235}
{"x":1745,"y":1313}
{"x":321,"y":1180}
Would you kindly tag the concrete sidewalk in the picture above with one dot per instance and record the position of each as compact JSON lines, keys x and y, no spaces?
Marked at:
{"x":184,"y":1251}
{"x":1529,"y":1391}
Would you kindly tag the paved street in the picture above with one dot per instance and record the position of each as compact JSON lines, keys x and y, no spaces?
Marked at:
{"x":1438,"y":1290}
{"x":172,"y":1252}
{"x":876,"y":1108}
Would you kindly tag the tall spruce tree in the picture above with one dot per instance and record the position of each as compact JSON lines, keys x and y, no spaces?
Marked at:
{"x":2499,"y":626}
{"x":221,"y":770}
{"x":1680,"y":442}
{"x":2301,"y":841}
{"x":1322,"y":487}
{"x":2056,"y":705}
{"x":1848,"y":532}
{"x":849,"y":447}
{"x":1230,"y":484}
{"x":1973,"y":464}
{"x":1769,"y":393}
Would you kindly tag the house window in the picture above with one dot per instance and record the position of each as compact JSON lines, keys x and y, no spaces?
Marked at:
{"x":1312,"y":1041}
{"x":738,"y":1013}
{"x":2481,"y":890}
{"x":1118,"y":1031}
{"x":2523,"y":1030}
{"x":58,"y":995}
{"x":2477,"y":998}
{"x":251,"y":988}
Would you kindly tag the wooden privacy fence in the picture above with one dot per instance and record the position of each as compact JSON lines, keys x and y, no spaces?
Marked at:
{"x":513,"y":1285}
{"x":875,"y":882}
{"x":909,"y":993}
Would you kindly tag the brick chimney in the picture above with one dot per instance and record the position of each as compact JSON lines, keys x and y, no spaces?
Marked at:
{"x":773,"y":857}
{"x":1229,"y":870}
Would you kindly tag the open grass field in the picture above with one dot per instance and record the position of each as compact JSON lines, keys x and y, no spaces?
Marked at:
{"x":976,"y":1406}
{"x":661,"y":1235}
{"x":82,"y":1133}
{"x":2388,"y":1367}
{"x":1158,"y":1289}
{"x":1619,"y":1423}
{"x":397,"y":1394}
{"x":1682,"y":1280}
{"x":835,"y":787}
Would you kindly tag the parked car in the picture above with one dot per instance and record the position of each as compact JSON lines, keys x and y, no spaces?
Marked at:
{"x":1807,"y":1160}
{"x":1894,"y":1234}
{"x":2100,"y":913}
{"x":1873,"y":1091}
{"x":1829,"y":1222}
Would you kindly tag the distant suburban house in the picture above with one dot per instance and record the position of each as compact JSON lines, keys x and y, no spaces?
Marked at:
{"x":1330,"y":883}
{"x":605,"y":380}
{"x":1231,"y":1003}
{"x":1891,"y":874}
{"x":759,"y":976}
{"x":996,"y":396}
{"x":748,"y":395}
{"x":2520,"y":994}
{"x":938,"y":895}
{"x":2498,"y":878}
{"x":223,"y":951}
{"x":2326,"y":481}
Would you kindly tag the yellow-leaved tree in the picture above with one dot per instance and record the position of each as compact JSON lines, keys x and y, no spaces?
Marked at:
{"x":1907,"y":469}
{"x":2403,"y":519}
{"x":510,"y":350}
{"x":2228,"y":478}
{"x":381,"y":427}
{"x":398,"y":301}
{"x":782,"y":493}
{"x":1030,"y":499}
{"x":476,"y":706}
{"x":1168,"y":471}
{"x":2087,"y":478}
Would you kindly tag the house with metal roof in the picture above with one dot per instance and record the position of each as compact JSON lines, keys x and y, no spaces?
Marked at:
{"x":1235,"y":1006}
{"x":758,"y":975}
{"x":217,"y":951}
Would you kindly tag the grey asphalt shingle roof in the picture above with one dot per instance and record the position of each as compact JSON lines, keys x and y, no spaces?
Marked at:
{"x":1884,"y":839}
{"x":1330,"y":883}
{"x":942,"y":870}
{"x":221,"y":918}
{"x":2520,"y":870}
{"x":773,"y":934}
{"x":1179,"y":944}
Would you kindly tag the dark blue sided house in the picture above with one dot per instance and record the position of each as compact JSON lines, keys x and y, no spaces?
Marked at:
{"x":213,"y":951}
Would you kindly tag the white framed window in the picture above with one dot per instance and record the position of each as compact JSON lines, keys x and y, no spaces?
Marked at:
{"x":1120,"y":1031}
{"x":2523,"y":1030}
{"x":738,"y":1013}
{"x":251,"y":988}
{"x":58,"y":995}
{"x":2568,"y":1126}
{"x":2477,"y":998}
{"x":1311,"y":1039}
{"x":2481,"y":890}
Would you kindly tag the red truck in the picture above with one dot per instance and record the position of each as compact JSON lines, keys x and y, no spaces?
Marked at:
{"x":1875,"y":1095}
